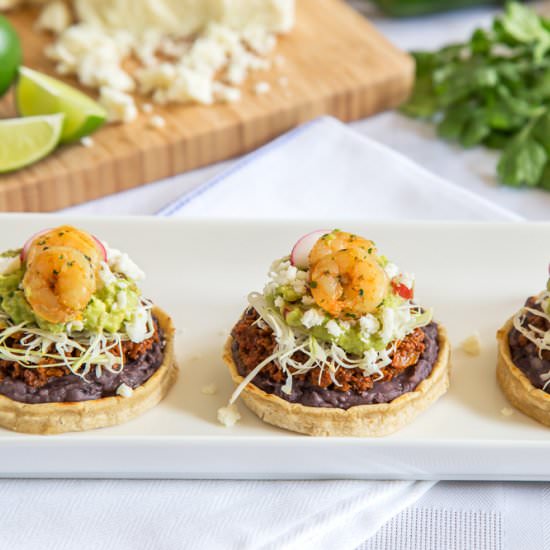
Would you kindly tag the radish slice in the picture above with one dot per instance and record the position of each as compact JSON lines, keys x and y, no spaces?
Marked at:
{"x":300,"y":253}
{"x":27,"y":245}
{"x":101,"y":247}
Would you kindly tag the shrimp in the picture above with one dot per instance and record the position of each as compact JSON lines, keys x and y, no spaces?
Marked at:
{"x":348,"y":283}
{"x":338,"y":240}
{"x":68,"y":236}
{"x":59,"y":283}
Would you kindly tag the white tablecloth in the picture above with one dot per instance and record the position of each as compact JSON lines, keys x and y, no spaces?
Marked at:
{"x":451,"y":516}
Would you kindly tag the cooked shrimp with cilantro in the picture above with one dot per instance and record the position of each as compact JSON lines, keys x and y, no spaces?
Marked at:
{"x":335,"y":333}
{"x":74,"y":327}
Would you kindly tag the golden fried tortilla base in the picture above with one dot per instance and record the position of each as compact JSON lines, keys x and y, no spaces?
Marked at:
{"x":358,"y":421}
{"x":55,"y":418}
{"x":532,"y":401}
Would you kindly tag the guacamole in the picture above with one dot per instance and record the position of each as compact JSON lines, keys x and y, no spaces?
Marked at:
{"x":109,"y":308}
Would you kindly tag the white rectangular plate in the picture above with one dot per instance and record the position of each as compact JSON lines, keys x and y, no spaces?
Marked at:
{"x":475,"y":277}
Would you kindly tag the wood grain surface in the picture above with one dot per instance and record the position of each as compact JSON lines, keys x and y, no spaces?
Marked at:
{"x":335,"y":61}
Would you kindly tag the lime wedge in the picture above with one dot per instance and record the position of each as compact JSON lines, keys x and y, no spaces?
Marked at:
{"x":26,"y":140}
{"x":39,"y":94}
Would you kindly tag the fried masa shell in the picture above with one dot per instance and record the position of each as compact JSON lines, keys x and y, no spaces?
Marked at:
{"x":61,"y":417}
{"x":532,"y":401}
{"x":359,"y":421}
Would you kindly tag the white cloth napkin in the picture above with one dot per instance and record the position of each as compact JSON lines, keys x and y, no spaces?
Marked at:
{"x":182,"y":515}
{"x":324,"y":169}
{"x":469,"y":515}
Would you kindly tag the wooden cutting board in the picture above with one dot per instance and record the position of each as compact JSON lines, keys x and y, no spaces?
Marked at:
{"x":335,"y":61}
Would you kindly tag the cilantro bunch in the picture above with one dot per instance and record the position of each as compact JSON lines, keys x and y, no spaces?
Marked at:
{"x":493,"y":90}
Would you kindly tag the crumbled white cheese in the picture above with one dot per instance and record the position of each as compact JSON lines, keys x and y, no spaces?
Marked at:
{"x":145,"y":49}
{"x":122,"y":299}
{"x":472,"y":344}
{"x":279,"y":302}
{"x":226,"y":94}
{"x":209,"y":389}
{"x":187,"y":17}
{"x":299,"y":286}
{"x":189,"y":85}
{"x":262,"y":88}
{"x":147,"y":108}
{"x":313,"y":318}
{"x":308,"y":300}
{"x":54,"y":17}
{"x":137,"y":327}
{"x":505,"y":411}
{"x":124,"y":390}
{"x":283,"y":273}
{"x":157,"y":121}
{"x":231,"y":38}
{"x":388,"y":324}
{"x":259,"y":40}
{"x":229,"y":416}
{"x":122,"y":263}
{"x":173,"y":48}
{"x":156,"y":77}
{"x":87,"y":142}
{"x":369,"y":324}
{"x":94,"y":56}
{"x":391,"y":270}
{"x":241,"y":63}
{"x":120,"y":107}
{"x":334,"y":328}
{"x":106,"y":275}
{"x":207,"y":56}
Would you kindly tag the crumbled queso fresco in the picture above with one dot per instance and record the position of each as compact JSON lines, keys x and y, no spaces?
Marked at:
{"x":283,"y":273}
{"x":288,"y":292}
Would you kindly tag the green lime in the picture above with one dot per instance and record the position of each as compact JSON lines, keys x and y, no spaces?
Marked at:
{"x":26,"y":140}
{"x":10,"y":55}
{"x":39,"y":94}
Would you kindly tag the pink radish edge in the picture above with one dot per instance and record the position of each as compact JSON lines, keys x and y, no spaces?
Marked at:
{"x":29,"y":241}
{"x":299,"y":256}
{"x":101,"y":247}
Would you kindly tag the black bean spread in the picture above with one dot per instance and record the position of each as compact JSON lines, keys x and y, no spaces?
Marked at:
{"x":58,"y":384}
{"x":525,"y":354}
{"x":254,"y":342}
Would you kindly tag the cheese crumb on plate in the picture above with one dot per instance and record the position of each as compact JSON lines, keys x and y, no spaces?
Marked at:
{"x":229,"y":416}
{"x":472,"y":344}
{"x":209,"y":389}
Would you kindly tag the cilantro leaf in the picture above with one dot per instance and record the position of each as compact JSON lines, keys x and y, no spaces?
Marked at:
{"x":493,"y":89}
{"x":522,"y":163}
